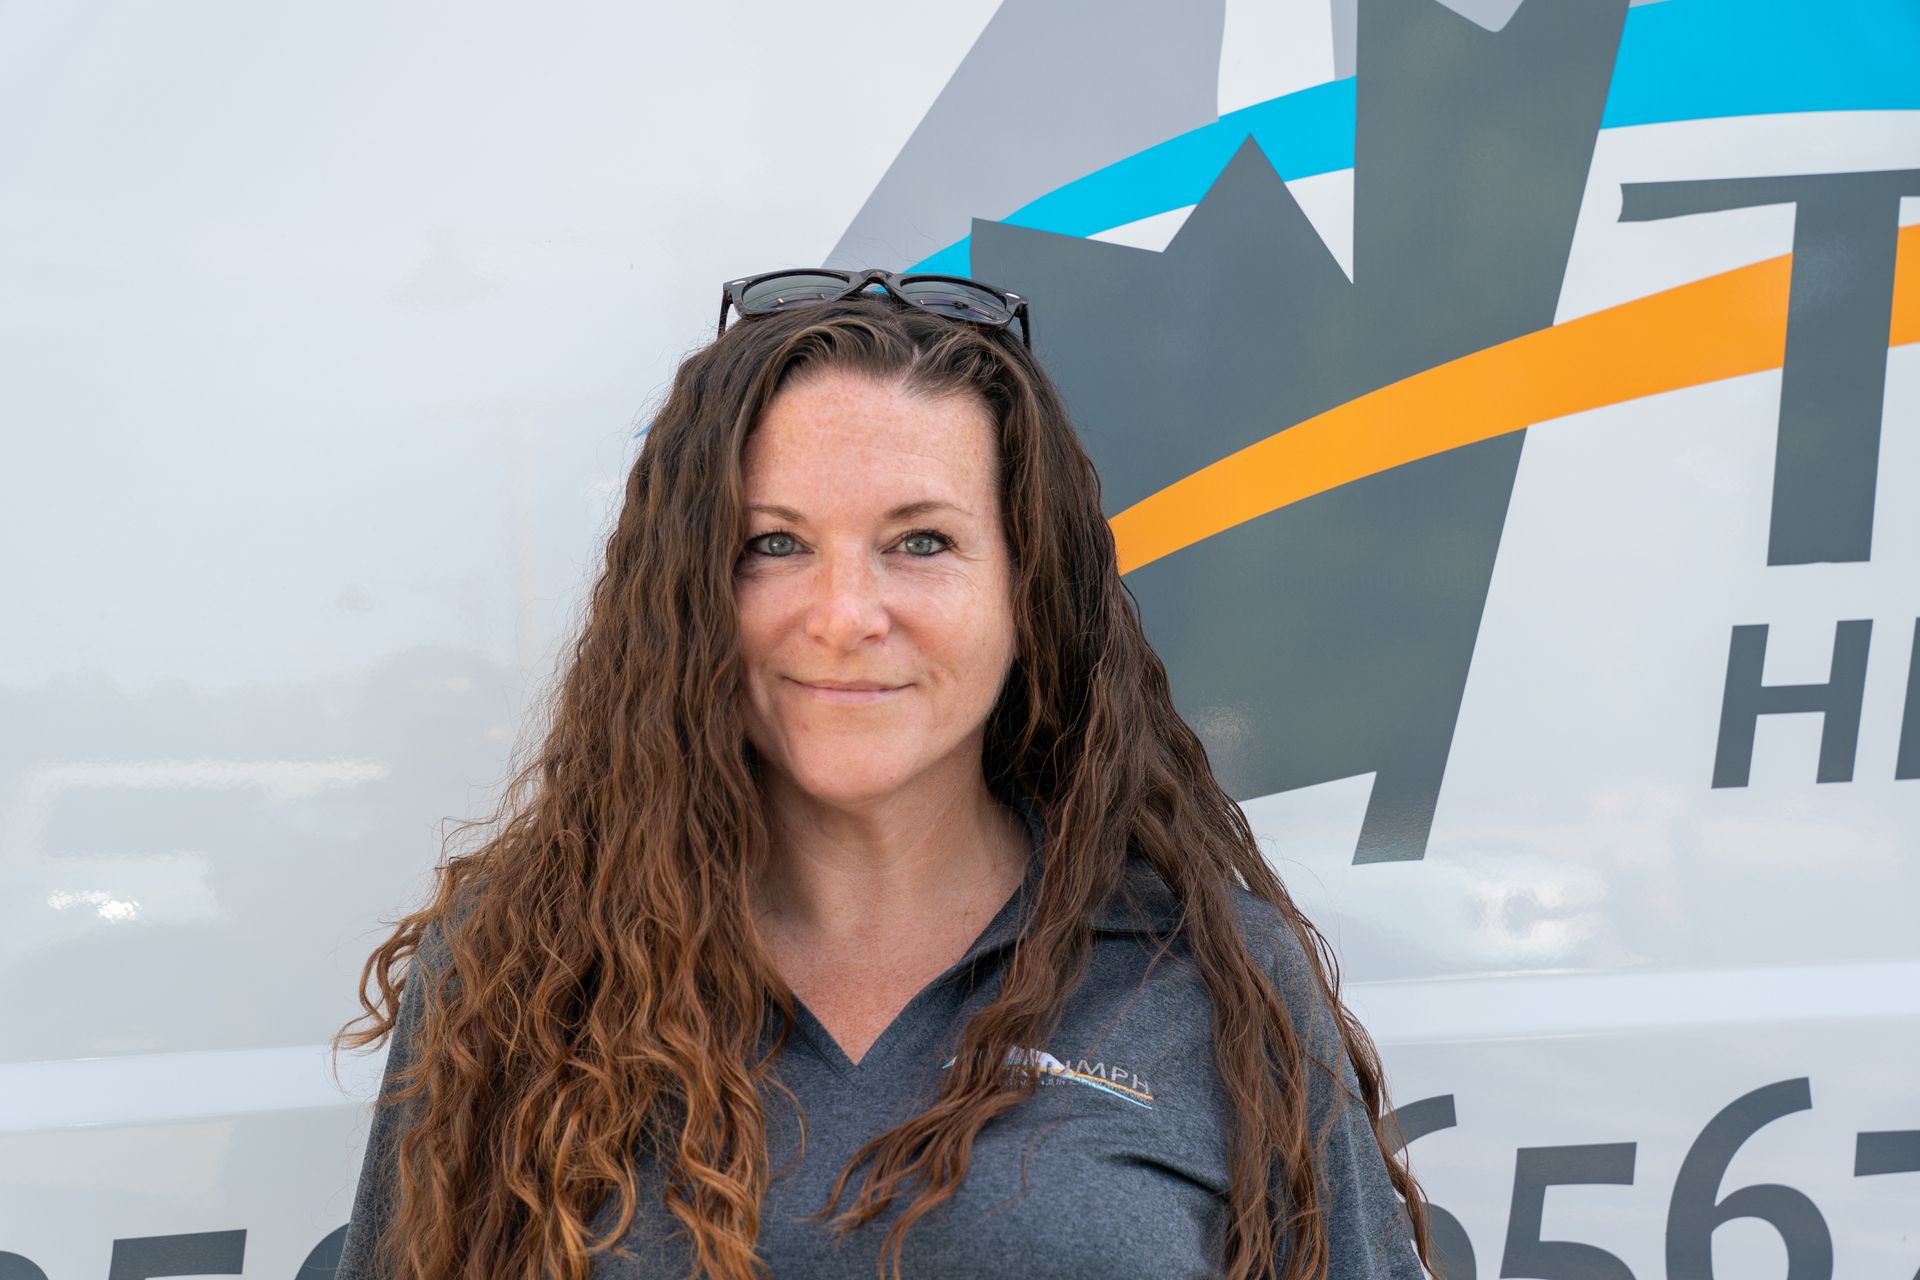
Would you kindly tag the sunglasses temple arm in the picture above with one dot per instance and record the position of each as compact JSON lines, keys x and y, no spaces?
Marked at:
{"x":724,"y":302}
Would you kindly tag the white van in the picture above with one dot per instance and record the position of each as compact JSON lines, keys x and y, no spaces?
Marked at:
{"x":1510,"y":411}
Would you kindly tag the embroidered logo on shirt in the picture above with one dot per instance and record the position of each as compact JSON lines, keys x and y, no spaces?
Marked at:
{"x":1107,"y":1078}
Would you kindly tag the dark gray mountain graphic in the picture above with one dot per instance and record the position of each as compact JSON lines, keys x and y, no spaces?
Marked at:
{"x":1332,"y":637}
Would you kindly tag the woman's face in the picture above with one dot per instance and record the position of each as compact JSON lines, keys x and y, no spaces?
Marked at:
{"x":874,"y":587}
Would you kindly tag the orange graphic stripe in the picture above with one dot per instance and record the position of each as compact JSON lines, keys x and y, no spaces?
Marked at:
{"x":1720,"y":327}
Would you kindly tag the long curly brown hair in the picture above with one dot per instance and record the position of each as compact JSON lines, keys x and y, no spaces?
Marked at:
{"x":594,"y":991}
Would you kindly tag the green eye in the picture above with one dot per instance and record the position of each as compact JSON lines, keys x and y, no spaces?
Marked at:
{"x":933,"y":542}
{"x":775,"y":544}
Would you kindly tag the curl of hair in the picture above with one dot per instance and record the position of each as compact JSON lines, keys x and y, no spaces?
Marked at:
{"x":595,"y":992}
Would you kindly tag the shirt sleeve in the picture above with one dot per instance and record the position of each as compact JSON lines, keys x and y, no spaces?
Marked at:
{"x":374,"y":1196}
{"x":1369,"y":1236}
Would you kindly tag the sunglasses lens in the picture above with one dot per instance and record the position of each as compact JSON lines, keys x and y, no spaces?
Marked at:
{"x":957,"y":298}
{"x":777,"y":292}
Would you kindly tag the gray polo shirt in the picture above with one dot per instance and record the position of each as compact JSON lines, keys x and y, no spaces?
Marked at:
{"x":1117,"y":1167}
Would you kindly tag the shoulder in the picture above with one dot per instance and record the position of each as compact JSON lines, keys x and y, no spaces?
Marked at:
{"x":1271,"y":938}
{"x":433,"y":954}
{"x":1145,"y":902}
{"x":421,"y":984}
{"x":1295,"y":973}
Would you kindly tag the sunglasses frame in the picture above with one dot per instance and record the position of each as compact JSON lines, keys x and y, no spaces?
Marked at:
{"x":734,"y":291}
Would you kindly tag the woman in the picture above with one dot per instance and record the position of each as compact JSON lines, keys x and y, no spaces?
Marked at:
{"x":868,"y":905}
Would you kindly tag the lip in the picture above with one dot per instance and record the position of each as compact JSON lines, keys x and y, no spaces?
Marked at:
{"x":852,"y":693}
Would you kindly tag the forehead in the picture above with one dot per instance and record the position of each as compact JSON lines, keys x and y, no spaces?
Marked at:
{"x":840,"y":436}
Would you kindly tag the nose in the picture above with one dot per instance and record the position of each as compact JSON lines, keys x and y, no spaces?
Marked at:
{"x":848,"y":605}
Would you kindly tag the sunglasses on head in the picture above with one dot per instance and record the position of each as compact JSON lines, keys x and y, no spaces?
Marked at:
{"x":955,"y":297}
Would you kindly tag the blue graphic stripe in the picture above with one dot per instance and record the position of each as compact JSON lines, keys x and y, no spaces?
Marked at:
{"x":1704,"y":59}
{"x":1679,"y":60}
{"x":1302,"y":133}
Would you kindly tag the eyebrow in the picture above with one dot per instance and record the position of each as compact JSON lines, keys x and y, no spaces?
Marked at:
{"x":905,"y":511}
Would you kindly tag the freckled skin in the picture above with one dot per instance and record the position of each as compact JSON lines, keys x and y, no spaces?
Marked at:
{"x":843,"y":594}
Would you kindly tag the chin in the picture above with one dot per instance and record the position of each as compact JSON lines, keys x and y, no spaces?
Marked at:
{"x":847,"y":778}
{"x":849,"y":786}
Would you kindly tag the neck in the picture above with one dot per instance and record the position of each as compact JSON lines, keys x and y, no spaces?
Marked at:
{"x":882,"y":867}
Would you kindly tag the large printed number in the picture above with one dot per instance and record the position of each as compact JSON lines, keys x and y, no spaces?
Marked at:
{"x":200,"y":1253}
{"x":1888,"y":1151}
{"x":1534,"y":1170}
{"x":1454,"y":1260}
{"x":324,"y":1258}
{"x":1695,"y":1212}
{"x":1698,"y":1209}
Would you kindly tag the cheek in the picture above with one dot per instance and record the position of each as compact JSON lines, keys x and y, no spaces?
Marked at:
{"x":760,"y":603}
{"x":759,"y":630}
{"x":974,"y":642}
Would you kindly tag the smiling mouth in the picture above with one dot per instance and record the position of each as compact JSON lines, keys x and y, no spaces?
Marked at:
{"x":853,"y":695}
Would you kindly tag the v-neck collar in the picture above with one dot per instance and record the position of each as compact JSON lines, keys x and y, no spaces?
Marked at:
{"x":1141,"y":904}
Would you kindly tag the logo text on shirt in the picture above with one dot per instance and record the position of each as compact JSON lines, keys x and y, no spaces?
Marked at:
{"x":1113,"y":1080}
